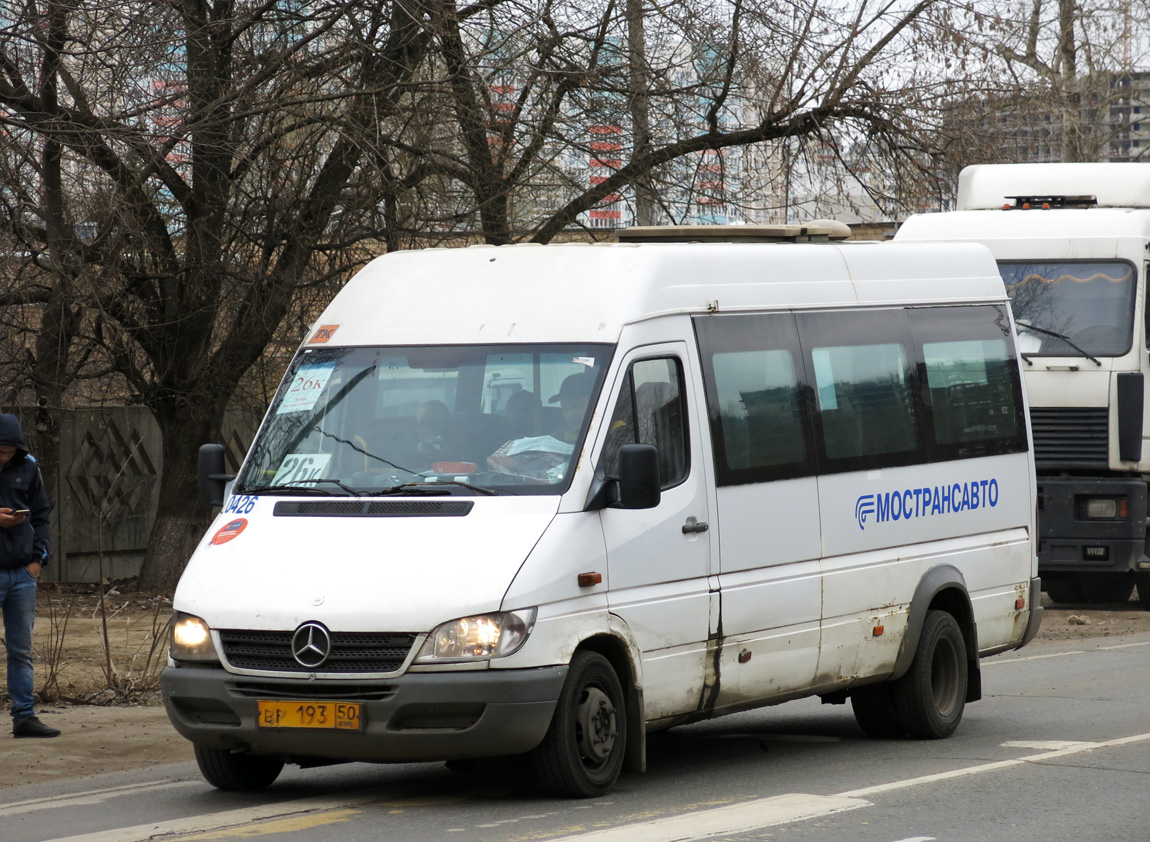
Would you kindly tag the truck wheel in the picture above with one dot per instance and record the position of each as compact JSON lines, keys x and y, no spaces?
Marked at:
{"x":875,"y":712}
{"x":1143,"y":582}
{"x":931,"y":696}
{"x":228,"y":770}
{"x":582,"y":754}
{"x":1104,"y":587}
{"x":1063,"y":590}
{"x":1090,"y":588}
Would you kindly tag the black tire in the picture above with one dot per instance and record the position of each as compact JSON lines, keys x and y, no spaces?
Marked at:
{"x":235,"y":772}
{"x":1142,"y":580}
{"x":931,"y":696}
{"x":875,"y":711}
{"x":582,"y":754}
{"x":1090,"y":588}
{"x":1106,"y":587}
{"x":1065,"y":591}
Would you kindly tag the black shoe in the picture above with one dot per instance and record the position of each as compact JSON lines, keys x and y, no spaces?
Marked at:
{"x":30,"y":726}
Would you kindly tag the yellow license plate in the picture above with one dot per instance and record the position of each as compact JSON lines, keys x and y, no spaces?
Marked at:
{"x":342,"y":716}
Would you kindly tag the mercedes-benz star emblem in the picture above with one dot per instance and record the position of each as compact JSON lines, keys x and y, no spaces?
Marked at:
{"x":311,"y":645}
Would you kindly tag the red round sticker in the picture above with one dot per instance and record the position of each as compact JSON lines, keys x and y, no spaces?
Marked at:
{"x":229,"y":531}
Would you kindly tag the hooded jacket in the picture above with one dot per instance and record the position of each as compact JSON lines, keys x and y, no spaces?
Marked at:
{"x":22,"y":487}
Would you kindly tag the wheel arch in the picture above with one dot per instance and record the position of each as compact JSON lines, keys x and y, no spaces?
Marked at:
{"x":942,"y":588}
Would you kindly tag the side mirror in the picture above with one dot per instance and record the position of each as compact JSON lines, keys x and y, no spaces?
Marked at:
{"x":212,"y":477}
{"x":639,"y":481}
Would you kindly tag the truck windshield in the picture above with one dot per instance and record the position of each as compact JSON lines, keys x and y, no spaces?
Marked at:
{"x":1077,"y":308}
{"x":450,"y":419}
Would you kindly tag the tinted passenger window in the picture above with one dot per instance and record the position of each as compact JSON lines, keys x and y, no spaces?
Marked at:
{"x":971,"y":381}
{"x":650,"y":410}
{"x":864,"y":388}
{"x":752,"y":370}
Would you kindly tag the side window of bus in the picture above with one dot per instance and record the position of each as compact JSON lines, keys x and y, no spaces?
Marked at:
{"x":864,"y":387}
{"x":649,"y":409}
{"x":971,"y":381}
{"x":752,"y":369}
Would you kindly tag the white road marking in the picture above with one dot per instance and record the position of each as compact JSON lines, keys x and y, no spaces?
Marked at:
{"x":94,"y":796}
{"x":720,"y":821}
{"x":986,"y":664}
{"x":1125,"y":645}
{"x":696,"y":825}
{"x":919,"y":839}
{"x":222,"y":820}
{"x":869,"y":791}
{"x":999,"y":663}
{"x":1048,"y":745}
{"x":1063,"y":655}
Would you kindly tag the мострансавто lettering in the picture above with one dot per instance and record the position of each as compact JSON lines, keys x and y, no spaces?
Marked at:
{"x":927,"y":501}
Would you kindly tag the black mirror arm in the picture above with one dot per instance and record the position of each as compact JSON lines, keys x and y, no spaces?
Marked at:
{"x":604,"y":493}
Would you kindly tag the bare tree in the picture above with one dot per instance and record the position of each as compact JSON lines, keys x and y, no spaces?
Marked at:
{"x":185,"y":175}
{"x":192,"y":158}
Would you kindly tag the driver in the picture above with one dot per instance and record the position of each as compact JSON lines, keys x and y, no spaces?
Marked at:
{"x":545,"y":458}
{"x":573,"y":397}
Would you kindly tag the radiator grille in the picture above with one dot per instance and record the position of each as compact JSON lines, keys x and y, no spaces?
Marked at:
{"x":1070,"y":438}
{"x":351,"y":652}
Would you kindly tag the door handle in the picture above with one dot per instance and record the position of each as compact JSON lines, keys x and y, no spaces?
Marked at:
{"x":691,"y":528}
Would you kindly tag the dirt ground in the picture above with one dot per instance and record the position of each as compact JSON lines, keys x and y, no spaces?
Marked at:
{"x":118,"y":723}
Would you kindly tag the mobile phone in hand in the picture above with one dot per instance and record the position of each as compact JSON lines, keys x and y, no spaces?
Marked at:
{"x":24,"y":512}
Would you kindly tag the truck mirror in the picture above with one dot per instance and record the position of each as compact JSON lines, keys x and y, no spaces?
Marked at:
{"x":212,"y":476}
{"x":639,"y":481}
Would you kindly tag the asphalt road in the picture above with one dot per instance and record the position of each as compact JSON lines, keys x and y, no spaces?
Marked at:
{"x":1058,"y":750}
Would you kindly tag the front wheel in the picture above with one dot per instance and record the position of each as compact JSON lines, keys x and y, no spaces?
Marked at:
{"x":931,"y":696}
{"x":232,"y":771}
{"x":582,"y":754}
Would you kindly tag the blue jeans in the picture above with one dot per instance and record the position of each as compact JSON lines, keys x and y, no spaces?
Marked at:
{"x":18,"y":602}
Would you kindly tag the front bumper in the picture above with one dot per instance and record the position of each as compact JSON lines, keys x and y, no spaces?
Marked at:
{"x":416,"y":717}
{"x":1068,"y":543}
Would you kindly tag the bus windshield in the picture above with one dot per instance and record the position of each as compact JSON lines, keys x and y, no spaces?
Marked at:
{"x":451,"y":419}
{"x":1072,"y":308}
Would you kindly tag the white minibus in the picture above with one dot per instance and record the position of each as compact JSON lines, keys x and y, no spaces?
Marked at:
{"x":710,"y":476}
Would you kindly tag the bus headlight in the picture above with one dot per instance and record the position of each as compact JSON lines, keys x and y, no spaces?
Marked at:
{"x":477,"y":638}
{"x":191,"y":639}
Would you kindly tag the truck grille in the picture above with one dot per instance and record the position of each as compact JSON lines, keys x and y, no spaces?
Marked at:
{"x":1070,"y":438}
{"x":351,"y":652}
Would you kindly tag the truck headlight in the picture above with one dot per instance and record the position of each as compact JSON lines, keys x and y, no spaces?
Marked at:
{"x":477,"y":638}
{"x":1104,"y":508}
{"x":191,"y":639}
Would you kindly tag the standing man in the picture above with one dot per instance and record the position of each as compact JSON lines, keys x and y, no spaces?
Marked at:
{"x":24,"y":509}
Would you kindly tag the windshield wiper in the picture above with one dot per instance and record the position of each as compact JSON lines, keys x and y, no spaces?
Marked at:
{"x":331,"y":480}
{"x":1061,"y":336}
{"x":284,"y":487}
{"x":430,"y":488}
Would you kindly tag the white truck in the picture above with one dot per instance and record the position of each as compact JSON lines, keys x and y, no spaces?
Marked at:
{"x":723,"y":475}
{"x":1071,"y":241}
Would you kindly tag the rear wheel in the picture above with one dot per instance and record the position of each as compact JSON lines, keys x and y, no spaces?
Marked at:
{"x":232,"y":771}
{"x":1107,"y":587}
{"x":931,"y":696}
{"x":1143,"y":582}
{"x":582,"y":754}
{"x":875,"y":712}
{"x":1090,"y":588}
{"x":1063,"y":590}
